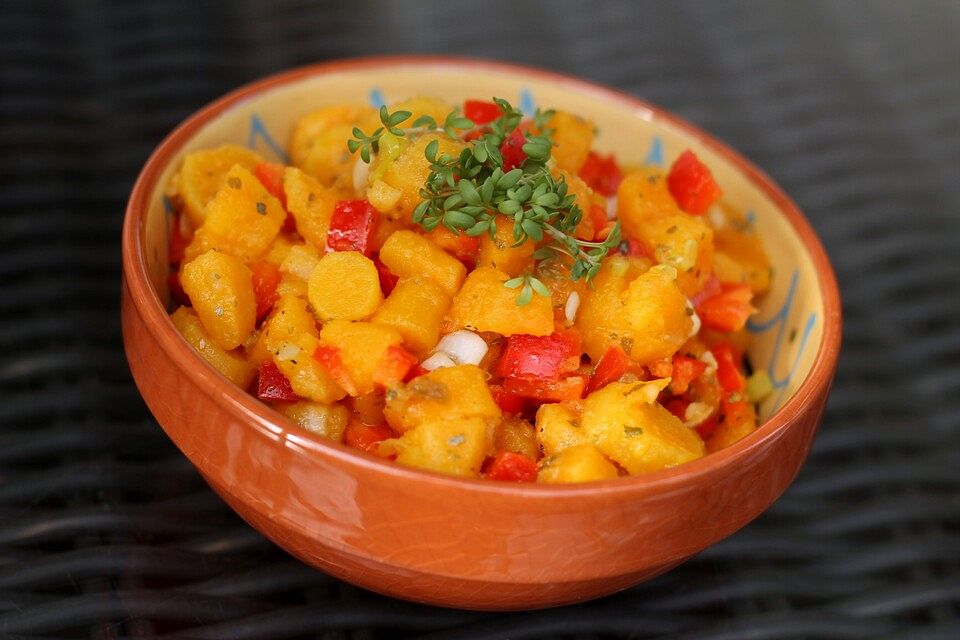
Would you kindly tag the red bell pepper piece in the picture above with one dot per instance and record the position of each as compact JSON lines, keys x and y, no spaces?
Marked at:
{"x":547,"y":390}
{"x":511,"y":467}
{"x":273,"y":385}
{"x":728,"y":369}
{"x":352,"y":226}
{"x":706,"y":428}
{"x":270,"y":175}
{"x":603,"y":175}
{"x":480,"y":111}
{"x":394,"y":366}
{"x":415,"y":372}
{"x":685,"y":371}
{"x":266,"y":278}
{"x":366,"y":437}
{"x":677,"y":406}
{"x":460,"y":246}
{"x":598,"y":215}
{"x":692,"y":185}
{"x":541,"y":356}
{"x":512,"y":150}
{"x":329,"y":358}
{"x":728,"y":310}
{"x":387,"y":280}
{"x":610,"y":367}
{"x":507,"y":401}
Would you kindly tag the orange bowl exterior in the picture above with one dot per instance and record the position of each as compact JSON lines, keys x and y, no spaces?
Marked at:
{"x":441,"y":540}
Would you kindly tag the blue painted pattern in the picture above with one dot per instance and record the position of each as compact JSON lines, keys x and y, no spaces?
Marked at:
{"x":655,"y":155}
{"x":258,"y":131}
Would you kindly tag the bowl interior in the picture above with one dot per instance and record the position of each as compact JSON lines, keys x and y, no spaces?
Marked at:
{"x":788,"y":329}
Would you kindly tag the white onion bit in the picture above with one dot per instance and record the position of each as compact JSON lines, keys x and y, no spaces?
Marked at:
{"x":612,"y":208}
{"x":438,"y":361}
{"x":696,"y":413}
{"x":710,"y":361}
{"x":361,"y":172}
{"x":695,"y":328}
{"x":572,"y":306}
{"x":463,"y":347}
{"x":288,"y":351}
{"x":716,"y":217}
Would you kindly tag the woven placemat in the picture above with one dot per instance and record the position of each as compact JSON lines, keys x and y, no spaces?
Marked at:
{"x":107,"y":532}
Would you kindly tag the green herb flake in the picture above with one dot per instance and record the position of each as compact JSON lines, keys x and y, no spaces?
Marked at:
{"x":632,"y":431}
{"x":234,"y":183}
{"x":261,"y":208}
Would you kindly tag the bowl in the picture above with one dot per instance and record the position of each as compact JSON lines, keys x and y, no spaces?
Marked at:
{"x":457,"y":542}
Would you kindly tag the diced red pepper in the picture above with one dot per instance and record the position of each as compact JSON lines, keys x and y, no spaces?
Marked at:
{"x":547,"y":390}
{"x":706,"y":428}
{"x":508,"y":402}
{"x":387,"y":280}
{"x":266,"y":278}
{"x":512,"y":150}
{"x":677,"y":406}
{"x":728,"y":310}
{"x":461,"y":246}
{"x":352,"y":227}
{"x":481,"y":111}
{"x":603,"y":175}
{"x":415,"y":372}
{"x":511,"y":467}
{"x":692,"y":185}
{"x":180,"y":237}
{"x":728,"y":369}
{"x":394,"y":366}
{"x":366,"y":437}
{"x":270,"y":175}
{"x":329,"y":358}
{"x":541,"y":356}
{"x":273,"y":385}
{"x":662,"y":368}
{"x":610,"y":367}
{"x":710,"y":289}
{"x":685,"y":371}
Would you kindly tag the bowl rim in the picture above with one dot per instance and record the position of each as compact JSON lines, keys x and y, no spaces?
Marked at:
{"x":257,"y":415}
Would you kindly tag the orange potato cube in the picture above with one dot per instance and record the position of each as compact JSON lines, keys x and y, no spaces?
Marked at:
{"x":643,"y":195}
{"x":326,"y":420}
{"x":221,"y":290}
{"x":415,"y":308}
{"x":232,"y":365}
{"x":310,"y":204}
{"x":738,"y":424}
{"x":448,"y":393}
{"x":658,"y":314}
{"x":318,"y":144}
{"x":578,"y":463}
{"x":362,"y":346}
{"x":499,"y":253}
{"x":289,"y":320}
{"x":455,"y":447}
{"x":307,"y":376}
{"x":409,"y":255}
{"x":572,"y":139}
{"x":484,"y":304}
{"x":517,"y":435}
{"x":558,"y":426}
{"x":345,"y":286}
{"x":203,"y":172}
{"x":409,"y":171}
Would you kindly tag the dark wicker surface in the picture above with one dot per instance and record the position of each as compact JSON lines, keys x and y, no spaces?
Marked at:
{"x":105,"y":529}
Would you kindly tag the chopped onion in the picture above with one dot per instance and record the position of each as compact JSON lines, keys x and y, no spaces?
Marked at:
{"x":361,"y":172}
{"x":288,"y":351}
{"x":696,"y":413}
{"x":695,"y":329}
{"x":572,"y":306}
{"x":716,"y":217}
{"x":438,"y":361}
{"x":612,"y":208}
{"x":710,"y":361}
{"x":463,"y":347}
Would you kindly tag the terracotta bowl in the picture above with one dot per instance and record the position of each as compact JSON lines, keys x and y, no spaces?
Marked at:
{"x":471,"y":543}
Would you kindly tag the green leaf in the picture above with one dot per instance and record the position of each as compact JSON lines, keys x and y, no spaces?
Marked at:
{"x":532,"y":229}
{"x":469,"y":192}
{"x":478,"y":229}
{"x":353,"y":145}
{"x":431,"y":151}
{"x":458,"y":219}
{"x":509,"y":207}
{"x":480,"y":153}
{"x":397,"y":117}
{"x":539,"y":287}
{"x":425,"y":121}
{"x":420,"y":211}
{"x":526,"y":295}
{"x":542,"y":253}
{"x":513,"y":283}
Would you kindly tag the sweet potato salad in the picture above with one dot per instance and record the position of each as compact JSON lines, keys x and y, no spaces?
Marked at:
{"x":473,"y":291}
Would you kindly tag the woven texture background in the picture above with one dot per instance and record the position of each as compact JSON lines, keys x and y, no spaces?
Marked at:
{"x":107,"y":532}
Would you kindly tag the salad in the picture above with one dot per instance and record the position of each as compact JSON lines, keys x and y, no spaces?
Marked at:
{"x":473,"y":291}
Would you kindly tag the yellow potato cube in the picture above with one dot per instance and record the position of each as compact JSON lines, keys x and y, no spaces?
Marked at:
{"x":203,"y":172}
{"x":301,"y":261}
{"x":499,"y":253}
{"x":452,"y":446}
{"x":409,"y":171}
{"x":684,"y":242}
{"x":558,"y":426}
{"x":345,"y":286}
{"x":739,"y":255}
{"x":383,"y":197}
{"x":325,"y":420}
{"x":738,"y":425}
{"x":517,"y":435}
{"x":408,"y":255}
{"x":221,"y":291}
{"x":447,"y":393}
{"x":572,"y":138}
{"x":601,"y":319}
{"x":290,"y":319}
{"x":555,"y":274}
{"x":232,"y":365}
{"x":642,"y":196}
{"x":484,"y":304}
{"x":626,"y":423}
{"x":362,"y":346}
{"x":415,"y":308}
{"x":307,"y":377}
{"x":242,"y":219}
{"x":658,"y":314}
{"x":310,"y":204}
{"x":579,"y":463}
{"x":318,"y":144}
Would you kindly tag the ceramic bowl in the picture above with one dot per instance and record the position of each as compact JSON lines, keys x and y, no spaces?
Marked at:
{"x":472,"y":543}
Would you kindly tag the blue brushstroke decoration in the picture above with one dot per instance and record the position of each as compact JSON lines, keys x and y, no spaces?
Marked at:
{"x":259,"y":130}
{"x":376,"y":98}
{"x":527,"y":104}
{"x":168,"y":206}
{"x":655,"y":155}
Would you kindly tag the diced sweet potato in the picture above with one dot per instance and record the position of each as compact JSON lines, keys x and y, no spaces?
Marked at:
{"x":242,"y":218}
{"x":326,"y":420}
{"x":289,"y":320}
{"x":318,"y":144}
{"x":484,"y":304}
{"x":415,"y":308}
{"x":558,"y":426}
{"x":410,"y":170}
{"x":579,"y":463}
{"x":572,"y":138}
{"x":345,"y":285}
{"x":740,"y":419}
{"x":362,"y":345}
{"x":499,"y":253}
{"x":450,"y":392}
{"x":310,"y":204}
{"x":453,"y":446}
{"x":517,"y":435}
{"x":307,"y":376}
{"x":231,"y":364}
{"x":739,"y":255}
{"x":203,"y":172}
{"x":626,"y":423}
{"x":221,"y":292}
{"x":658,"y":315}
{"x":642,"y":196}
{"x":410,"y":255}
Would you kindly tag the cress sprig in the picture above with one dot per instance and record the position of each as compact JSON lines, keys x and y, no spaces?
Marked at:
{"x":466,"y":193}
